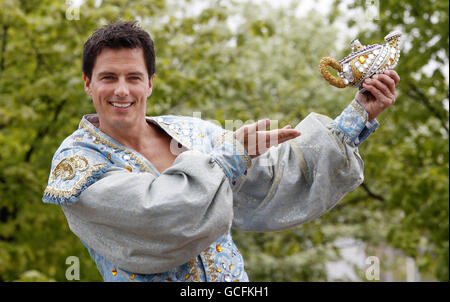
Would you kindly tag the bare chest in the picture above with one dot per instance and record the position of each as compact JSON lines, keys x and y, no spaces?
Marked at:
{"x":160,"y":153}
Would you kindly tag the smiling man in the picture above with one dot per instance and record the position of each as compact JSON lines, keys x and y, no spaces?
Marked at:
{"x":119,"y":84}
{"x":154,"y":198}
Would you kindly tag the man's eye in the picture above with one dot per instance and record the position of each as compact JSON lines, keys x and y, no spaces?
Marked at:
{"x":134,"y":78}
{"x":107,"y":78}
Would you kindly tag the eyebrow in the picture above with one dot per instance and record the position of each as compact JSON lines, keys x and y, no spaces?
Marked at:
{"x":109,"y":73}
{"x":136,"y":73}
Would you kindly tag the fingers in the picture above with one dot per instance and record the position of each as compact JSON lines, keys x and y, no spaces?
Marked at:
{"x":380,"y":95}
{"x":383,"y":83}
{"x":245,"y":131}
{"x":263,"y":140}
{"x":257,"y":140}
{"x":394,"y":75}
{"x":387,"y":81}
{"x":279,"y":136}
{"x":373,"y":90}
{"x":250,"y":132}
{"x":259,"y":125}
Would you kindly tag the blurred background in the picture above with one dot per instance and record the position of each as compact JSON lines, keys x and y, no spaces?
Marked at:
{"x":241,"y":60}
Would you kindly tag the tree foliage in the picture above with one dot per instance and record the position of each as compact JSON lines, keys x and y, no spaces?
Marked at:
{"x":407,"y":164}
{"x":229,"y":61}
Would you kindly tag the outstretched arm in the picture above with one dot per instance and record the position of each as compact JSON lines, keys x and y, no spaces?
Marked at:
{"x":304,"y":177}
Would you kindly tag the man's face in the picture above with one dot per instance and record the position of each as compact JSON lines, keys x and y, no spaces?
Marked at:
{"x":119,"y":87}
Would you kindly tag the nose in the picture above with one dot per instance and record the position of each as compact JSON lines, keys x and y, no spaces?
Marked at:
{"x":121,"y":89}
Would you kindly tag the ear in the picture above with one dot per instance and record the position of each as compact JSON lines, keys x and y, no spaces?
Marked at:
{"x":87,"y":85}
{"x":150,"y":86}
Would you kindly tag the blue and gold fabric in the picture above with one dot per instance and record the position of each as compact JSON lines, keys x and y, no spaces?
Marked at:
{"x":142,"y":225}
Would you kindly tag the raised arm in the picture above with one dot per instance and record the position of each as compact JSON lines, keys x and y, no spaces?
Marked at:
{"x":302,"y":178}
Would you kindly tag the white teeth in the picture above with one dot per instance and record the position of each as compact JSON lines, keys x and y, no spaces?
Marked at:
{"x":121,"y":105}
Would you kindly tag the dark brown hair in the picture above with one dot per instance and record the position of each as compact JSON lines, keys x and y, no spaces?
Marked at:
{"x":122,"y":34}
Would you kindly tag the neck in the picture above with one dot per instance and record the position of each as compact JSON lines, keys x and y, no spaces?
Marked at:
{"x":132,"y":136}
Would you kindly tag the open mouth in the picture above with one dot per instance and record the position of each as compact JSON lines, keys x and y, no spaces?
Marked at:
{"x":121,"y":105}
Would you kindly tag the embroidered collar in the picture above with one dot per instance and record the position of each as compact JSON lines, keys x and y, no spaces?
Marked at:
{"x":88,"y":123}
{"x":175,"y":126}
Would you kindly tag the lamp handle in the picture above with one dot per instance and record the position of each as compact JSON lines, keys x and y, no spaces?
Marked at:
{"x":323,"y":68}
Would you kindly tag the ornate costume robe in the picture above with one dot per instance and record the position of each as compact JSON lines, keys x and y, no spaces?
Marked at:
{"x":142,"y":225}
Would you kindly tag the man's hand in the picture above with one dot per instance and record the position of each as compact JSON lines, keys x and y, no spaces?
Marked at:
{"x":380,"y":93}
{"x":256,"y":140}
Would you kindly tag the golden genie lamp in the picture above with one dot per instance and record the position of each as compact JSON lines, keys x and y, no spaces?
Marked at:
{"x":363,"y":62}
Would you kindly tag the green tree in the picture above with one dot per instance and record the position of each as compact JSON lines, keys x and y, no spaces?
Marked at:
{"x":229,"y":61}
{"x":410,"y":191}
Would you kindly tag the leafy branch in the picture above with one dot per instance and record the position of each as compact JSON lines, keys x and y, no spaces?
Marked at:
{"x":419,"y":96}
{"x":2,"y":59}
{"x":43,"y":131}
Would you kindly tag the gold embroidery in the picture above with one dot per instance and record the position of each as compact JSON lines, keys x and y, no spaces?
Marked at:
{"x":143,"y":167}
{"x":193,"y":271}
{"x":68,"y":193}
{"x":67,"y":166}
{"x":359,"y":110}
{"x":221,"y":139}
{"x":211,"y":270}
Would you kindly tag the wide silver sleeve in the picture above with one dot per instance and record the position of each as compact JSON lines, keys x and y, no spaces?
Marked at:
{"x":297,"y":180}
{"x":147,"y":224}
